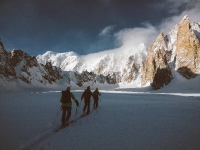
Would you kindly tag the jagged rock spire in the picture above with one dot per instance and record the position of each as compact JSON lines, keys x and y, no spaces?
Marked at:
{"x":1,"y":45}
{"x":187,"y":48}
{"x":156,"y":59}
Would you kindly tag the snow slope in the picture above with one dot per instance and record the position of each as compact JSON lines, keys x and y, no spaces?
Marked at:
{"x":110,"y":59}
{"x":125,"y":120}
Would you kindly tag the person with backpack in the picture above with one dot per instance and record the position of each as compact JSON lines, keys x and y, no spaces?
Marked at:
{"x":96,"y":95}
{"x":87,"y":95}
{"x":67,"y":105}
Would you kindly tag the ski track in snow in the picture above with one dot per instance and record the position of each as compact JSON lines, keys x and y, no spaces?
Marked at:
{"x":44,"y":136}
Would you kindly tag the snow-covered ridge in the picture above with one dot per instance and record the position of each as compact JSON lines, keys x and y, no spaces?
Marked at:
{"x":111,"y":60}
{"x":123,"y":64}
{"x":66,"y":61}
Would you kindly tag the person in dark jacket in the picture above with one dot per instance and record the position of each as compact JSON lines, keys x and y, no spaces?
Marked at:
{"x":96,"y":95}
{"x":67,"y":105}
{"x":87,"y":95}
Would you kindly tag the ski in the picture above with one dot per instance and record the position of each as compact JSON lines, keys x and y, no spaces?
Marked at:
{"x":83,"y":115}
{"x":64,"y":126}
{"x":58,"y":129}
{"x":75,"y":120}
{"x":86,"y":114}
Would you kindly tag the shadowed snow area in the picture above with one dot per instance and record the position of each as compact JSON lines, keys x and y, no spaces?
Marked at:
{"x":123,"y":120}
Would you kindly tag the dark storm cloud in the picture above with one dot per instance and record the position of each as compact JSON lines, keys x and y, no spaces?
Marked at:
{"x":176,"y":6}
{"x":83,"y":26}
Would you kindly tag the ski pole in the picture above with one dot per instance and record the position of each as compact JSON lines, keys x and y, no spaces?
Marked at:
{"x":80,"y":103}
{"x":76,"y":112}
{"x":57,"y":114}
{"x":78,"y":107}
{"x":96,"y":110}
{"x":75,"y":115}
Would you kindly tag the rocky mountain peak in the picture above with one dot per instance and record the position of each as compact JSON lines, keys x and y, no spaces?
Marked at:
{"x":187,"y":49}
{"x":157,"y":63}
{"x":5,"y":69}
{"x":185,"y":19}
{"x":3,"y":53}
{"x":16,"y":56}
{"x":160,"y":36}
{"x":1,"y":46}
{"x":159,"y":43}
{"x":19,"y":66}
{"x":180,"y":45}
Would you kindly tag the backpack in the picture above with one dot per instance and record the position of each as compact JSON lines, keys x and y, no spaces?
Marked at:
{"x":66,"y":96}
{"x":95,"y":94}
{"x":87,"y":94}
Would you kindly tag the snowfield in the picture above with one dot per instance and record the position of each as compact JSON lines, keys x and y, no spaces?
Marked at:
{"x":124,"y":120}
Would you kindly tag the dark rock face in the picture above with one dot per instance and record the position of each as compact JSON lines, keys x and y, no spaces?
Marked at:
{"x":6,"y":70}
{"x":162,"y":77}
{"x":53,"y":73}
{"x":86,"y":76}
{"x":17,"y":56}
{"x":186,"y":72}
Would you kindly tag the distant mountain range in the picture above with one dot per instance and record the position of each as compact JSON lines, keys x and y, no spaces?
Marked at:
{"x":169,"y":56}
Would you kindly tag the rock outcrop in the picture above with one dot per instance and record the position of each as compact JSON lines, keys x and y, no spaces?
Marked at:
{"x":187,"y":49}
{"x":179,"y":50}
{"x":18,"y":65}
{"x":85,"y":77}
{"x":6,"y":70}
{"x":157,"y":64}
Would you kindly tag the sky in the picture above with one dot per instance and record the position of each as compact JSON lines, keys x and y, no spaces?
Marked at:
{"x":88,"y":26}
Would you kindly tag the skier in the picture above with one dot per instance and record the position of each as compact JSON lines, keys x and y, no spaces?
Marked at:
{"x":67,"y":105}
{"x":87,"y":95}
{"x":96,"y":95}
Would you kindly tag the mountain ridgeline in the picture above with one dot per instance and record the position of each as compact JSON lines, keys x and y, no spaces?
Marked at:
{"x":176,"y":53}
{"x":19,"y":66}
